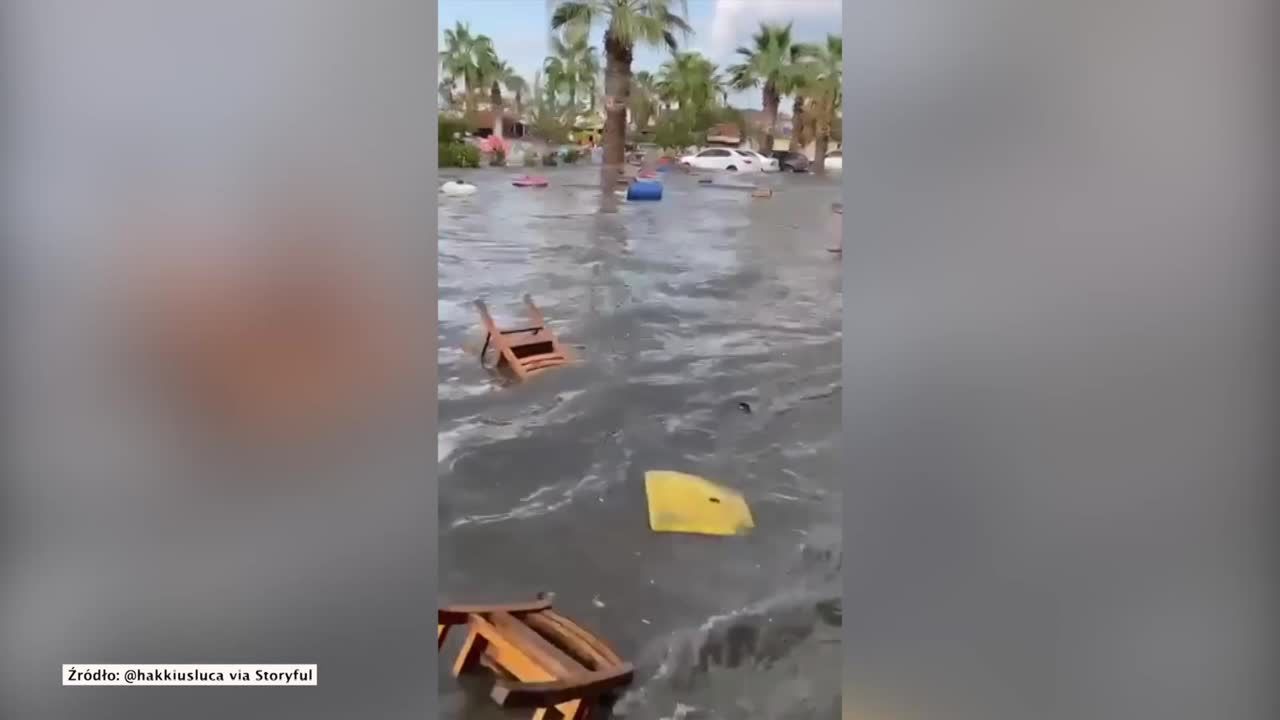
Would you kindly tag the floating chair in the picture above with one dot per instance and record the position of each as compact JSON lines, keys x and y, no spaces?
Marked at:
{"x":524,"y":351}
{"x":542,"y":660}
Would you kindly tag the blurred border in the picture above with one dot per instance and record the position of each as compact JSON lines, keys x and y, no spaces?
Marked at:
{"x":1058,"y":339}
{"x":396,"y":628}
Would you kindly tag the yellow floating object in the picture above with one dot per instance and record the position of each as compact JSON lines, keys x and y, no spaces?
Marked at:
{"x":684,"y":503}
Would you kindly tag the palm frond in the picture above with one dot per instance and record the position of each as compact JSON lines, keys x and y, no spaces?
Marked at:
{"x":572,"y":13}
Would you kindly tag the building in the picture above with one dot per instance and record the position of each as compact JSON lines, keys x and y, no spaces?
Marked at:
{"x":512,"y":127}
{"x":724,"y":134}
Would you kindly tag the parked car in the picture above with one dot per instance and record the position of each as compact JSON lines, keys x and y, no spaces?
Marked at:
{"x":793,"y":161}
{"x":834,"y":160}
{"x":728,"y":159}
{"x":767,"y":164}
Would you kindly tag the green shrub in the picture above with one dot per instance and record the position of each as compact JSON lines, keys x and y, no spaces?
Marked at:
{"x":459,"y":154}
{"x":450,"y":129}
{"x":499,"y":158}
{"x":549,"y":160}
{"x":674,"y":132}
{"x":571,"y":155}
{"x":531,"y":159}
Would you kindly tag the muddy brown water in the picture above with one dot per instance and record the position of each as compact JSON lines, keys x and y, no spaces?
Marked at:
{"x":685,"y":312}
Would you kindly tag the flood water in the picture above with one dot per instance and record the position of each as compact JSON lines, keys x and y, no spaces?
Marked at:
{"x":680,"y":311}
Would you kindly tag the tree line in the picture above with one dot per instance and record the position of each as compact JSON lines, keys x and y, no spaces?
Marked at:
{"x":687,"y":94}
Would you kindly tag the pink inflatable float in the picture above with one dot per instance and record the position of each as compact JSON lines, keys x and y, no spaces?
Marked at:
{"x":530,"y":181}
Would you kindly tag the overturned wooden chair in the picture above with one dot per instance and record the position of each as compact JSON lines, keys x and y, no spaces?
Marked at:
{"x":542,"y":660}
{"x":523,"y":351}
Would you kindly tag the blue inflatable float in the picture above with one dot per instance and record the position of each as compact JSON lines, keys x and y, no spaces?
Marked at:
{"x":644,"y":190}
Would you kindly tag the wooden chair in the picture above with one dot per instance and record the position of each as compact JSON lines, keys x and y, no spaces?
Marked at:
{"x":542,"y":660}
{"x":524,"y":351}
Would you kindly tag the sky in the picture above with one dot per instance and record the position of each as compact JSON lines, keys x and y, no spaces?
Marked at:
{"x":520,"y":34}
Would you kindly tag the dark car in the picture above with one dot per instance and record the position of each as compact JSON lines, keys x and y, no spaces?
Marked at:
{"x":793,"y":161}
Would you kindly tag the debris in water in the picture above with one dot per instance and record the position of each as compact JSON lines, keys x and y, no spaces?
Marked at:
{"x":574,"y":682}
{"x":682,"y":712}
{"x":683,"y":503}
{"x":597,"y":601}
{"x":744,"y":407}
{"x":524,"y":351}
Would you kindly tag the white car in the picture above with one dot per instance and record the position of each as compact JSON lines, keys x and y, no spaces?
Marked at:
{"x":767,"y":164}
{"x":834,"y":160}
{"x":722,"y":159}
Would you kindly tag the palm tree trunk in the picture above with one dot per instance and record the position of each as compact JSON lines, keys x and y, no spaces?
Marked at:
{"x":519,"y":106}
{"x":823,"y":133}
{"x":495,"y":98}
{"x":797,"y":125}
{"x":771,"y":101}
{"x":617,"y":84}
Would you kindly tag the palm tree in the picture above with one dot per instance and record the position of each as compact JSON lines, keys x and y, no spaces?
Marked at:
{"x":626,"y":22}
{"x":590,"y":75}
{"x":644,"y":97}
{"x":538,"y":91}
{"x":797,"y":122}
{"x":557,"y":73}
{"x":825,"y":69}
{"x":573,"y":64}
{"x":498,"y":74}
{"x":723,"y":84}
{"x":446,"y":89}
{"x":493,"y":74}
{"x":517,"y":86}
{"x":691,"y":80}
{"x":798,"y":84}
{"x":767,"y":65}
{"x":464,"y":59}
{"x":549,"y":121}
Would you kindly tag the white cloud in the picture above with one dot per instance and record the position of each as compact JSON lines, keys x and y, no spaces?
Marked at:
{"x":734,"y":21}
